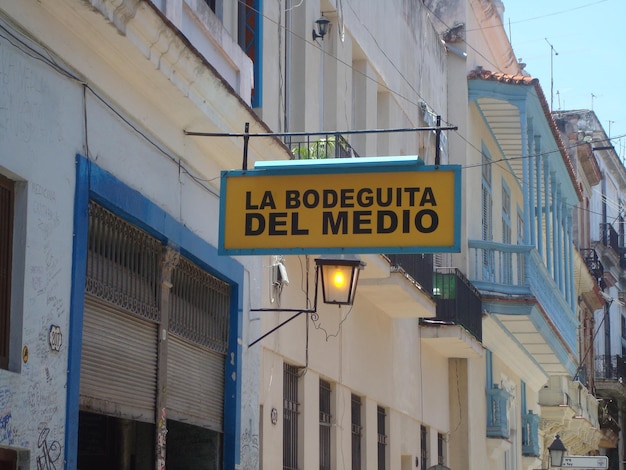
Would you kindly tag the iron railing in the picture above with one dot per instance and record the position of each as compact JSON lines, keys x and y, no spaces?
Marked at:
{"x":610,"y":368}
{"x":291,"y":410}
{"x":610,"y":237}
{"x":458,"y":301}
{"x":594,"y":265}
{"x":199,"y":306}
{"x":418,"y":266}
{"x":123,"y":264}
{"x":320,"y":147}
{"x":7,"y":196}
{"x":325,"y":425}
{"x":357,"y":432}
{"x":382,"y":438}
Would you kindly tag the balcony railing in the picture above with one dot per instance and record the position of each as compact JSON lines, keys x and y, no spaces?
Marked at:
{"x":320,"y":147}
{"x":520,"y":270}
{"x":594,"y":265}
{"x":418,"y":266}
{"x":610,"y":237}
{"x":610,"y":368}
{"x":458,"y":301}
{"x":499,"y":265}
{"x":530,"y":434}
{"x":497,"y":420}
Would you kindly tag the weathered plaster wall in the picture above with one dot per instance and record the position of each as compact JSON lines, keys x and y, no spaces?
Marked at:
{"x":40,"y":131}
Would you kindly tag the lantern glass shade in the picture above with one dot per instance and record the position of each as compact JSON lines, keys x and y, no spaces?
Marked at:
{"x":557,"y":452}
{"x":340,"y":276}
{"x":322,"y":26}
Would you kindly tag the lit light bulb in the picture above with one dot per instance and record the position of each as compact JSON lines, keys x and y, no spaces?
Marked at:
{"x":339,"y":280}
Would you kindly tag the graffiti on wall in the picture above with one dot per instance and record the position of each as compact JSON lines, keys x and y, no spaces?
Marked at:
{"x":6,"y":434}
{"x":49,"y":451}
{"x":249,"y":448}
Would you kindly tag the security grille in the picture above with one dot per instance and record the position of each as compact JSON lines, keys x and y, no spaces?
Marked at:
{"x":6,"y":250}
{"x":357,"y":432}
{"x":124,"y":264}
{"x":290,"y":417}
{"x":424,"y":446}
{"x":325,"y":428}
{"x":382,"y":439}
{"x":441,"y":449}
{"x":126,"y":273}
{"x":199,"y":307}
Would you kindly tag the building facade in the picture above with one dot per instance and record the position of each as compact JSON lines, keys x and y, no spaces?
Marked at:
{"x":121,"y":325}
{"x":127,"y":341}
{"x":601,"y":242}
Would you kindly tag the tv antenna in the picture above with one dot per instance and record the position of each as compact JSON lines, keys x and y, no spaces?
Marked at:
{"x":553,"y":52}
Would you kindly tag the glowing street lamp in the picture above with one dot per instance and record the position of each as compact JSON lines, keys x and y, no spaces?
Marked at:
{"x":339,"y":274}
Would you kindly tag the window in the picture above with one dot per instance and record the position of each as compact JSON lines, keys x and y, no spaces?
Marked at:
{"x":250,"y":40}
{"x":507,"y":262}
{"x":325,"y":428}
{"x":520,"y":227}
{"x":290,"y":417}
{"x":7,"y":196}
{"x":441,"y":449}
{"x":8,"y":459}
{"x":382,"y":439}
{"x":423,"y":447}
{"x":357,"y":432}
{"x":521,"y":267}
{"x":487,"y":206}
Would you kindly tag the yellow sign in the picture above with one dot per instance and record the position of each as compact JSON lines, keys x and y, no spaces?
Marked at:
{"x":372,"y":209}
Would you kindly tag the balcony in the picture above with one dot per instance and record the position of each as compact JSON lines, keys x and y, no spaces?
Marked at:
{"x":325,"y":146}
{"x":594,"y":265}
{"x":530,"y":434}
{"x":610,"y":376}
{"x":458,"y":302}
{"x":418,"y":266}
{"x":614,"y":241}
{"x":524,"y":301}
{"x":610,"y":368}
{"x":398,"y":285}
{"x":497,"y":419}
{"x":568,"y":409}
{"x":610,"y":237}
{"x":456,"y":330}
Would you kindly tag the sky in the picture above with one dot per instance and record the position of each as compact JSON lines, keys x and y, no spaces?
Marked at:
{"x":578,"y":46}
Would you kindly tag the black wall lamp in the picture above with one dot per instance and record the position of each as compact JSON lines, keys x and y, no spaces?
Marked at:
{"x":322,"y":25}
{"x":340,"y":276}
{"x":557,"y":452}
